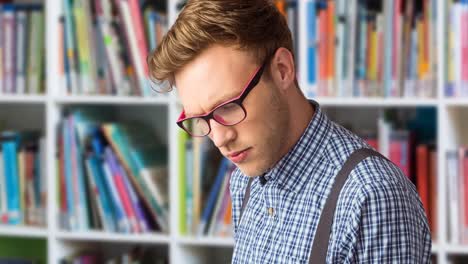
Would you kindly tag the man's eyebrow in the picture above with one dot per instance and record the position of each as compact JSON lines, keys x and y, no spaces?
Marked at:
{"x":217,"y":103}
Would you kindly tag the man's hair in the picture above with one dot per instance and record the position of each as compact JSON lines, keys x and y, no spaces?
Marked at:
{"x":252,"y":25}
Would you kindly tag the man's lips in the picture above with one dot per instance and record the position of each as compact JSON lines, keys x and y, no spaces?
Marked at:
{"x":238,"y":156}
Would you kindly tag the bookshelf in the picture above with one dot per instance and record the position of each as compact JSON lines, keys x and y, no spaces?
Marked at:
{"x":43,"y":112}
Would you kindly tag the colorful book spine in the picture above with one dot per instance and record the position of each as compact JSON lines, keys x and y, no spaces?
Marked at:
{"x":9,"y":33}
{"x":123,"y":193}
{"x":136,"y":203}
{"x":123,"y":223}
{"x":210,"y":202}
{"x":311,"y":47}
{"x":21,"y":50}
{"x":36,"y":52}
{"x":10,"y":162}
{"x":71,"y":50}
{"x":182,"y":141}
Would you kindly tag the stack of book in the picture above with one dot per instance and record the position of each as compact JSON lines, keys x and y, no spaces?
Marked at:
{"x":23,"y":183}
{"x":205,"y":202}
{"x":22,"y":56}
{"x":112,"y":176}
{"x":457,"y":182}
{"x":367,"y":48}
{"x":457,"y":49}
{"x":105,"y":45}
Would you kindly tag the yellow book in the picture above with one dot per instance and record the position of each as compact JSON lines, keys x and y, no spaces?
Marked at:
{"x":83,"y":46}
{"x":451,"y":49}
{"x":373,"y":67}
{"x":423,"y":66}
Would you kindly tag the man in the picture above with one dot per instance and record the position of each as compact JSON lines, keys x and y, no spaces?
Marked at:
{"x":233,"y":65}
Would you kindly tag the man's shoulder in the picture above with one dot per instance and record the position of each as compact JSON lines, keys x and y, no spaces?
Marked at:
{"x":372,"y":170}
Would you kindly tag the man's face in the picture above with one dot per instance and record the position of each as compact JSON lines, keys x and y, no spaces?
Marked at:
{"x":220,"y":74}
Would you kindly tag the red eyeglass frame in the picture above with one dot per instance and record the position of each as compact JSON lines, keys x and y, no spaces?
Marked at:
{"x":255,"y":79}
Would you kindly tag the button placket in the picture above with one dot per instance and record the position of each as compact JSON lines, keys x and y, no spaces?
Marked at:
{"x":270,"y":204}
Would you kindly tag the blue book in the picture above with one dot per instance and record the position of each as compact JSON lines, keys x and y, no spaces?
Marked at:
{"x":311,"y":46}
{"x":152,"y":19}
{"x":214,"y":192}
{"x":77,"y":153}
{"x":10,"y":162}
{"x":66,"y":60}
{"x":189,"y":184}
{"x":121,"y":217}
{"x":111,"y":160}
{"x":68,"y":176}
{"x":94,"y":163}
{"x":388,"y":49}
{"x":362,"y":49}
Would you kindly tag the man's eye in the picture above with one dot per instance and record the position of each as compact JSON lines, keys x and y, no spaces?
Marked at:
{"x":229,"y":107}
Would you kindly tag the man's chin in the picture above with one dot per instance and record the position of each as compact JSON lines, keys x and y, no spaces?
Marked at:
{"x":250,"y":171}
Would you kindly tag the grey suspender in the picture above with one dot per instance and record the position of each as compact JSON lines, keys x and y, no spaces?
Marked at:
{"x":322,"y":235}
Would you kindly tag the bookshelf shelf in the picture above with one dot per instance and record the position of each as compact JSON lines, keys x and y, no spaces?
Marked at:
{"x":375,"y":102}
{"x":112,"y":100}
{"x":457,"y":249}
{"x":23,"y":231}
{"x":206,"y":241}
{"x":23,"y":99}
{"x":456,"y":102}
{"x":115,"y":238}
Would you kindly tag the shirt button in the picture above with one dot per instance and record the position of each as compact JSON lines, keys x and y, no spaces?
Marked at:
{"x":271,"y":211}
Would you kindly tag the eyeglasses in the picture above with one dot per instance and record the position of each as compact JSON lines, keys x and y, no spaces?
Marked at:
{"x":228,"y":113}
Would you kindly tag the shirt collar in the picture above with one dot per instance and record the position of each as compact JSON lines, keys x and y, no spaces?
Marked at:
{"x":291,"y":171}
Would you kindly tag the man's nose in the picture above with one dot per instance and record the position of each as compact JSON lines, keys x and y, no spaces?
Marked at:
{"x":221,"y":135}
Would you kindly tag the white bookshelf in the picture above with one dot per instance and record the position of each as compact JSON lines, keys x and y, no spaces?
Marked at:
{"x":27,"y":232}
{"x":44,"y":111}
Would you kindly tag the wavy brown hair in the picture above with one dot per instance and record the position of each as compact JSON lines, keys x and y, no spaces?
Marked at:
{"x":251,"y":25}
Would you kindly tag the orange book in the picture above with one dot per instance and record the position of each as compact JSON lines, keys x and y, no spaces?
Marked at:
{"x":322,"y":51}
{"x":281,"y":5}
{"x":330,"y":33}
{"x":227,"y":218}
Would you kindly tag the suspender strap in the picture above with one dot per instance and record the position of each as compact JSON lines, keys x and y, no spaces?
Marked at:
{"x":246,"y":197}
{"x":322,"y":234}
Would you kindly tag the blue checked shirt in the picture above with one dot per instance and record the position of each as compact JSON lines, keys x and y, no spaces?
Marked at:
{"x":379,"y":217}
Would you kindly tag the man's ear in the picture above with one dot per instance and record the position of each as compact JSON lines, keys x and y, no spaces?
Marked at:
{"x":282,"y":69}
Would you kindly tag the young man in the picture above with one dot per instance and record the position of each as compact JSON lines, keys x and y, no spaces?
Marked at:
{"x":233,"y":65}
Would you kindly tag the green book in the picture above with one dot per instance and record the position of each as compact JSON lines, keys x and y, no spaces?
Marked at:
{"x":182,"y":139}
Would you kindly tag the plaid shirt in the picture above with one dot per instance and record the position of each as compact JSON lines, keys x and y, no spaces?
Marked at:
{"x":379,"y":217}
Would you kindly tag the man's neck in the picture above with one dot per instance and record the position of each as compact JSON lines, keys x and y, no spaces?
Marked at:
{"x":302,"y":112}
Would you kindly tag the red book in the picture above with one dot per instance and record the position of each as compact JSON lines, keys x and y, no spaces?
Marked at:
{"x":464,"y":46}
{"x":433,"y":192}
{"x":400,"y":152}
{"x":422,"y":178}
